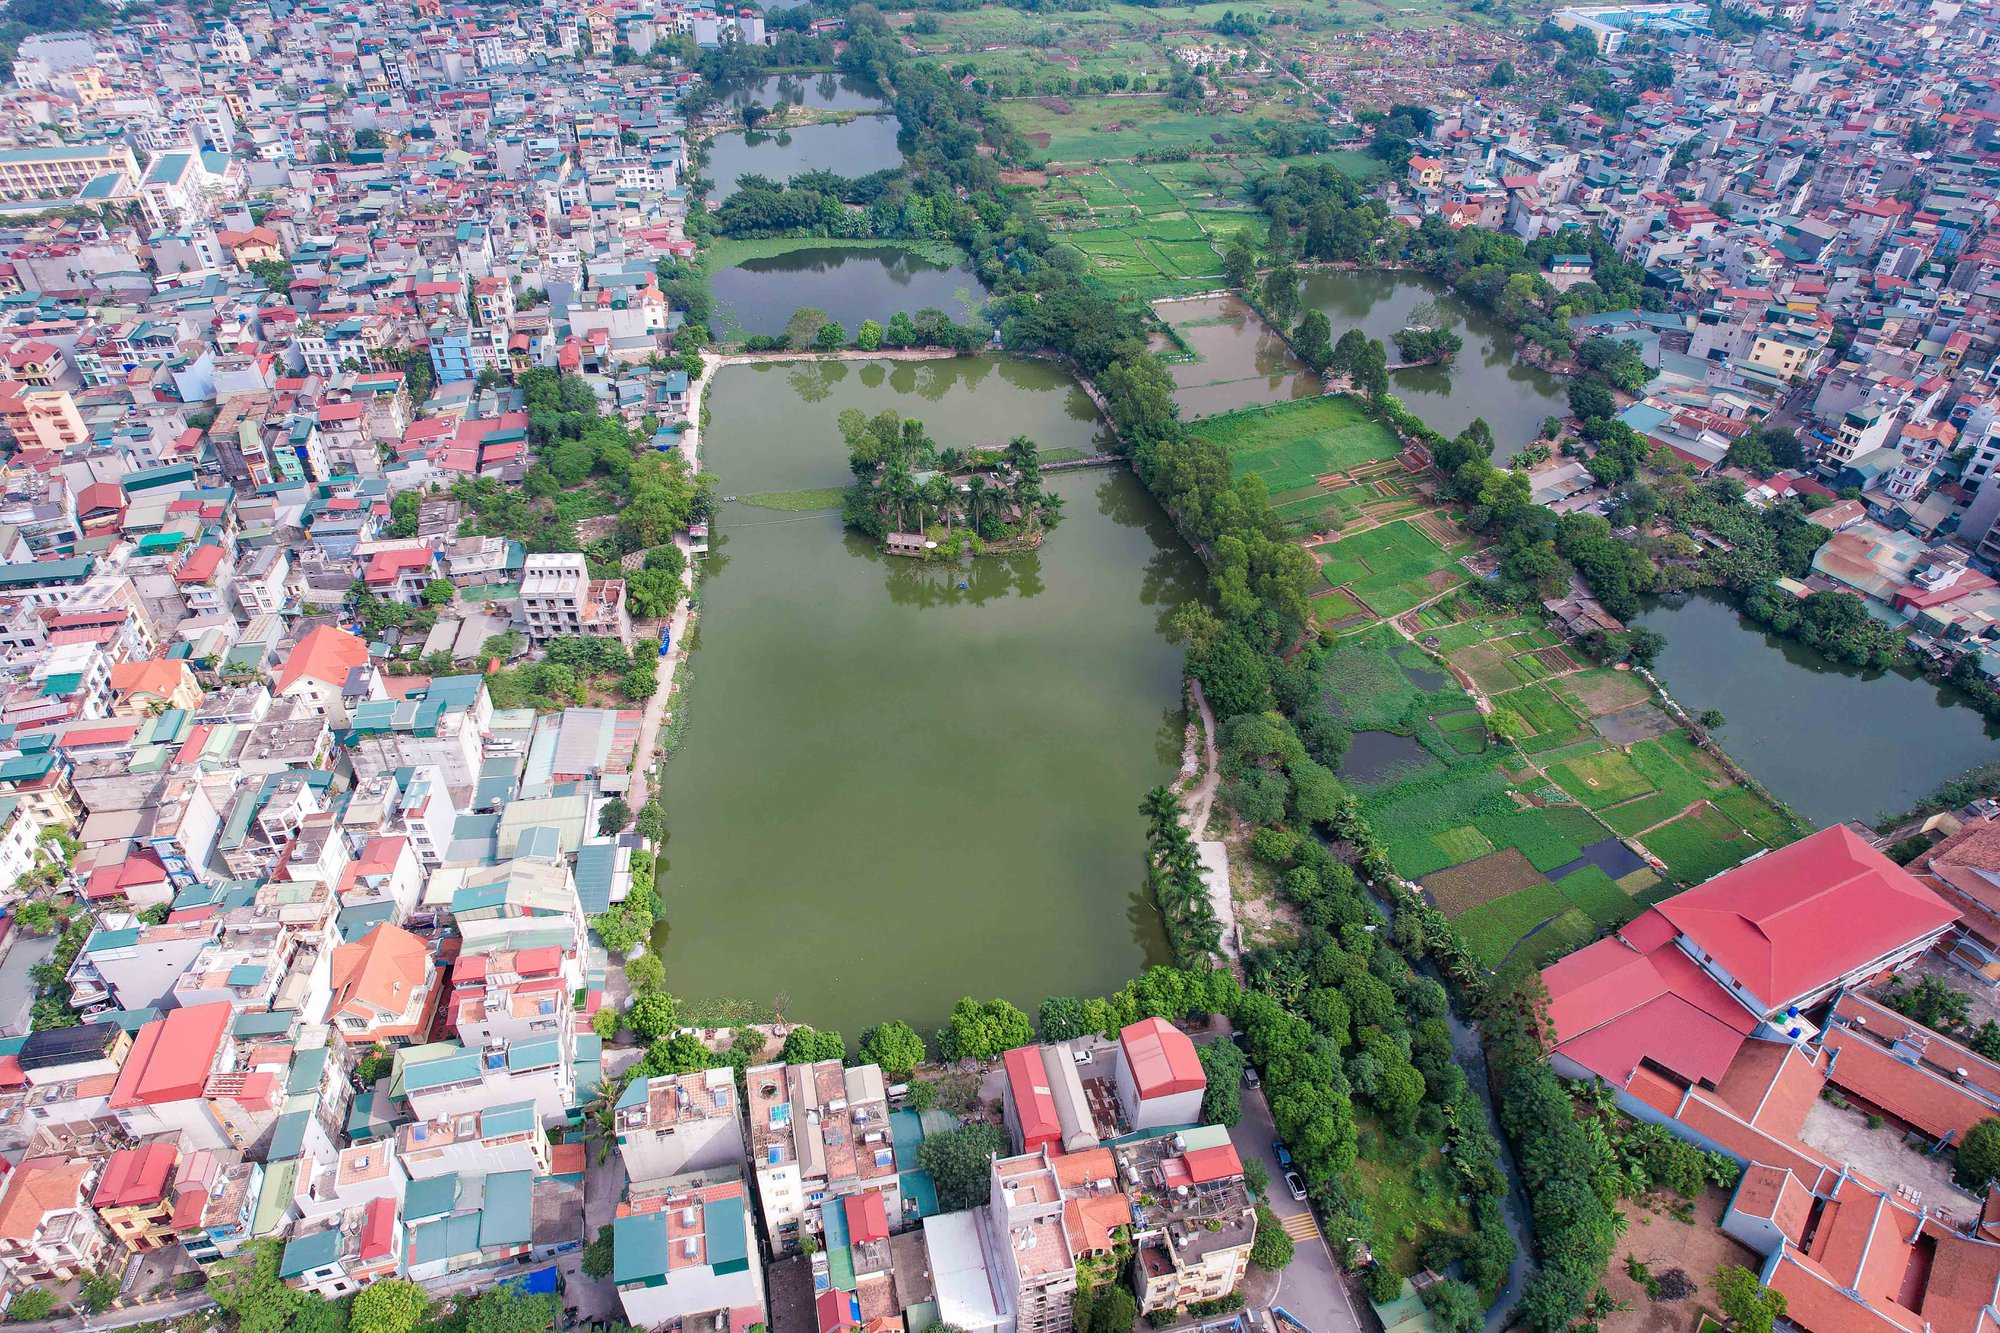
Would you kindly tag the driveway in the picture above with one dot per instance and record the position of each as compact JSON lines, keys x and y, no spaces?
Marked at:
{"x":1312,"y":1289}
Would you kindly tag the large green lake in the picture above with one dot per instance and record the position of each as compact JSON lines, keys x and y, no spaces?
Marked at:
{"x":894,"y":790}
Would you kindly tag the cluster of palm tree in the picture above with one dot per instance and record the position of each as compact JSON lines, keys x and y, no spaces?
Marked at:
{"x":888,"y":454}
{"x":1174,"y":874}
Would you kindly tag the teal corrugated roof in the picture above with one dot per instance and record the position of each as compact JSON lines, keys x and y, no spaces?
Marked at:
{"x":305,"y":1253}
{"x":507,"y":1216}
{"x":274,"y":1024}
{"x":246,"y":974}
{"x":724,"y":1235}
{"x":434,"y":1196}
{"x":638,"y":1248}
{"x":288,"y":1137}
{"x":596,"y":865}
{"x":536,"y":1054}
{"x":307,"y":1069}
{"x":455,"y":1068}
{"x":514,"y":1118}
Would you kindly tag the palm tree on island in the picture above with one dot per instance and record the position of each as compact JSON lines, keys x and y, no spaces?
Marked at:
{"x":965,"y":502}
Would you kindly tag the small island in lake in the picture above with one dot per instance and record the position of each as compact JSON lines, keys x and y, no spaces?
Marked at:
{"x":938,"y":503}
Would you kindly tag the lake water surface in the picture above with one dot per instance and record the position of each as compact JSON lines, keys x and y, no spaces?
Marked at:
{"x":895,"y":790}
{"x":857,"y":147}
{"x":1487,"y":379}
{"x":1832,"y":742}
{"x":849,"y":284}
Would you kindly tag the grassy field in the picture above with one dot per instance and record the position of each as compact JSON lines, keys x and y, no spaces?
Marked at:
{"x":1293,"y":444}
{"x":797,"y":502}
{"x":1094,"y":129}
{"x":1409,"y":1191}
{"x":1484,"y":830}
{"x":1390,"y":568}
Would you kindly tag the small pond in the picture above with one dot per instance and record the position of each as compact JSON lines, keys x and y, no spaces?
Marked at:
{"x":1377,"y":756}
{"x":857,"y":147}
{"x":1238,"y":361}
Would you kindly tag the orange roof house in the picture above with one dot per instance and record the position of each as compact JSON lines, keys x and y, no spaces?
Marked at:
{"x":382,"y":986}
{"x":138,"y":687}
{"x":48,"y":1232}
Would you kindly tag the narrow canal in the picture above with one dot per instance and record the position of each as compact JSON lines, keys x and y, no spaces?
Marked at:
{"x":896,"y":790}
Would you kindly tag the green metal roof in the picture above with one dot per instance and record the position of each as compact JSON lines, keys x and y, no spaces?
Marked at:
{"x":508,"y":1216}
{"x":305,"y":1253}
{"x":724,"y":1235}
{"x":432,"y":1197}
{"x":288,"y":1136}
{"x":639,"y":1249}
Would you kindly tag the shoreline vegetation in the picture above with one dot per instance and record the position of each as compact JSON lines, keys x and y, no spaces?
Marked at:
{"x":728,"y":252}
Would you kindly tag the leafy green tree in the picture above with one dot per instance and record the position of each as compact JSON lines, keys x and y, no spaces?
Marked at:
{"x":1313,"y":339}
{"x":1222,"y":1064}
{"x":1456,"y":1306}
{"x":612,"y":817}
{"x":869,"y":336}
{"x":652,"y":1016}
{"x":506,"y":1309}
{"x":621,"y":931}
{"x":97,"y":1291}
{"x":31,"y":1305}
{"x":983,"y":1031}
{"x":894,"y":1045}
{"x":645,"y":973}
{"x":273,"y":273}
{"x":1270,"y":1249}
{"x":1979,"y":1155}
{"x":806,"y":1046}
{"x":1061,"y":1018}
{"x":1751,"y":1307}
{"x":830,"y":337}
{"x":599,"y":1255}
{"x":439,"y":592}
{"x":1239,"y":263}
{"x":803,"y":328}
{"x":390,"y":1305}
{"x":248,"y":1289}
{"x":959,"y":1161}
{"x":1114,"y":1311}
{"x":605,"y":1023}
{"x":1504,"y":724}
{"x":654,"y":593}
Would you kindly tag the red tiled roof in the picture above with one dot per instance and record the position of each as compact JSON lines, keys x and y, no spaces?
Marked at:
{"x":1161,"y":1058}
{"x":1034,"y":1103}
{"x":325,"y":655}
{"x":170,"y":1059}
{"x":136,"y":1177}
{"x":1206,"y":1165}
{"x":867,"y":1219}
{"x":1800,"y":918}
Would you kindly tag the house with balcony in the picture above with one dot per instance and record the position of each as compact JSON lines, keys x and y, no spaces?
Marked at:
{"x":385,"y":989}
{"x":442,"y":1080}
{"x":49,"y":1234}
{"x":134,"y":1197}
{"x":819,"y":1133}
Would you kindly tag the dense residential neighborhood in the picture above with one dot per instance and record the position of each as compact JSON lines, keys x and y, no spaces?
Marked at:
{"x":1415,"y":588}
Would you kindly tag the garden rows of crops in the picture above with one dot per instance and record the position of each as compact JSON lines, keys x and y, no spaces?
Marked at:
{"x":1524,"y":846}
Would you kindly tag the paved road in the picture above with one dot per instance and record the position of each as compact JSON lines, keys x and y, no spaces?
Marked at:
{"x":1312,"y":1289}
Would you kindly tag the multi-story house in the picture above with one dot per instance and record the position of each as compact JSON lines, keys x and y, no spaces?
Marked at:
{"x":559,"y":599}
{"x":135,"y":1194}
{"x":818,"y":1133}
{"x":684,"y":1255}
{"x":385,"y":988}
{"x":679,"y":1123}
{"x":48,"y":1232}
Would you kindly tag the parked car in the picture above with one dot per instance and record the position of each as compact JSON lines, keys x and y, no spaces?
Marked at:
{"x":1281,"y":1152}
{"x":1296,"y":1185}
{"x":1250,"y":1079}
